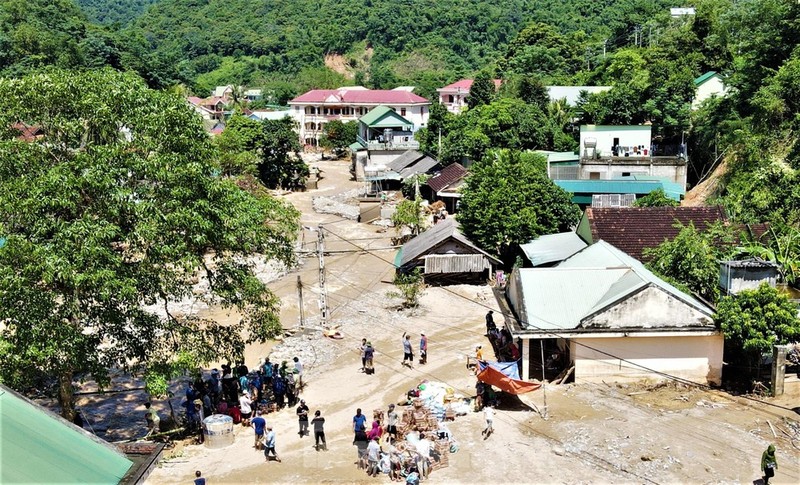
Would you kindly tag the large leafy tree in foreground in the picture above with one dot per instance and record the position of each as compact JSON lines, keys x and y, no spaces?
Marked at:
{"x":115,"y":211}
{"x":508,"y":199}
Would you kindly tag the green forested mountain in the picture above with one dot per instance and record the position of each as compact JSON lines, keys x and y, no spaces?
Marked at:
{"x":648,"y":57}
{"x":384,"y":43}
{"x":109,"y":12}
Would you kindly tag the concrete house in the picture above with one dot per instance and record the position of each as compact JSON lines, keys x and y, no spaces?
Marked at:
{"x":609,"y":152}
{"x":312,"y":110}
{"x":603,"y":313}
{"x":454,"y":96}
{"x":707,"y":86}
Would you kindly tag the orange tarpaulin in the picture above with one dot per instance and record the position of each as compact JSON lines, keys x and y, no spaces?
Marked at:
{"x":496,"y":378}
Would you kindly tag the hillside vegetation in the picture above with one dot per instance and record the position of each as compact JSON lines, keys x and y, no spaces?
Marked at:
{"x":648,"y":57}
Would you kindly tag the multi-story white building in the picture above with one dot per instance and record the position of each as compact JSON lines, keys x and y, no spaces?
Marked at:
{"x":317,"y":107}
{"x":454,"y":96}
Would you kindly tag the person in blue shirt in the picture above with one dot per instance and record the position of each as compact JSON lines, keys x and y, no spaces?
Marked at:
{"x":359,"y":421}
{"x":199,"y":480}
{"x":258,"y":423}
{"x":269,"y":446}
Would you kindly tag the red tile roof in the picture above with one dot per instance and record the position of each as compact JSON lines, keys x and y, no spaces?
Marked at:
{"x":466,"y":84}
{"x":195,"y":100}
{"x":361,"y":96}
{"x":28,"y":132}
{"x":632,"y":229}
{"x":447,"y":176}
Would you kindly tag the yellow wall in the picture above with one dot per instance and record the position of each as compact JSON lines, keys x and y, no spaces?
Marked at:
{"x":695,"y":358}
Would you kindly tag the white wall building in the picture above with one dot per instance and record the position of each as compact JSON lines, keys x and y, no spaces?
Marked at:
{"x":706,"y":86}
{"x":317,"y":107}
{"x":599,"y":140}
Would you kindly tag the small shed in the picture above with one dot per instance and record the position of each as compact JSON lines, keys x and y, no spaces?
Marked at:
{"x":446,"y":256}
{"x":747,"y":274}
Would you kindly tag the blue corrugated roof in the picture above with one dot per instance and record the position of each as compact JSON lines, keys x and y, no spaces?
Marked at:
{"x":638,"y":185}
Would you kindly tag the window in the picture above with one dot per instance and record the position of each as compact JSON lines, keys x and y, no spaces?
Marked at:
{"x":626,"y":174}
{"x":450,"y":98}
{"x":402,"y":111}
{"x":594,"y":175}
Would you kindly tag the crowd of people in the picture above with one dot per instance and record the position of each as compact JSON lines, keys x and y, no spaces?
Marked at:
{"x":237,"y":392}
{"x":398,"y":460}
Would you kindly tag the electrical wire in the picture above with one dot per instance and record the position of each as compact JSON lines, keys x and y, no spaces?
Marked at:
{"x":581,"y":344}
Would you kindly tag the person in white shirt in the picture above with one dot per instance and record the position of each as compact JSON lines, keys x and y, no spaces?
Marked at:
{"x":373,"y":456}
{"x":245,"y":408}
{"x":488,"y":415}
{"x":298,"y":369}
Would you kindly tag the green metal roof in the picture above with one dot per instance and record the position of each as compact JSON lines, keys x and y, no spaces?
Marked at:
{"x":37,"y":446}
{"x":595,"y":278}
{"x":385,"y":117}
{"x":705,"y":77}
{"x":625,"y":185}
{"x":356,"y":147}
{"x":552,"y":247}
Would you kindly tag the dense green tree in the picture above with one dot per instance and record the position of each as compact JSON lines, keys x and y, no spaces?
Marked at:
{"x":656,"y":198}
{"x":108,"y":219}
{"x":691,"y":260}
{"x":119,"y":12}
{"x":276,"y":146}
{"x":752,"y":322}
{"x":482,"y":90}
{"x":338,"y":135}
{"x":507,"y":199}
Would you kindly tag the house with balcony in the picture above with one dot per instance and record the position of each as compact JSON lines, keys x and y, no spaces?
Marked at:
{"x":454,"y":96}
{"x":611,"y":152}
{"x":314,"y":109}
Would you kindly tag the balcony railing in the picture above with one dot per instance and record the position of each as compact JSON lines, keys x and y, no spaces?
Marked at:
{"x":391,"y":145}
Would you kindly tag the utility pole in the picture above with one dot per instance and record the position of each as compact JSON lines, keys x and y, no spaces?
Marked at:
{"x":300,"y":302}
{"x":544,"y":381}
{"x":588,"y":51}
{"x":323,"y":292}
{"x":605,"y":42}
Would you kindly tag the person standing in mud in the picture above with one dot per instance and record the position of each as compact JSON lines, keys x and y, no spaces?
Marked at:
{"x":408,"y":353}
{"x":423,"y":348}
{"x":769,"y":463}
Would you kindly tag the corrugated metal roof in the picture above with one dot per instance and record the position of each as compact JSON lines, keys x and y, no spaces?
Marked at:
{"x":602,"y":253}
{"x":558,"y":299}
{"x":40,"y":447}
{"x":420,"y":166}
{"x":621,"y":186}
{"x":455,"y":263}
{"x":586,"y":283}
{"x":705,"y":77}
{"x":552,"y":247}
{"x":433,"y":237}
{"x":404,"y":160}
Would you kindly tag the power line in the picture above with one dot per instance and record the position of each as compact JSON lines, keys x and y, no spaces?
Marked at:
{"x":581,"y":344}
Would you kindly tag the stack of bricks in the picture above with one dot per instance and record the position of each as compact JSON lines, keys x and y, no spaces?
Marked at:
{"x":442,"y":451}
